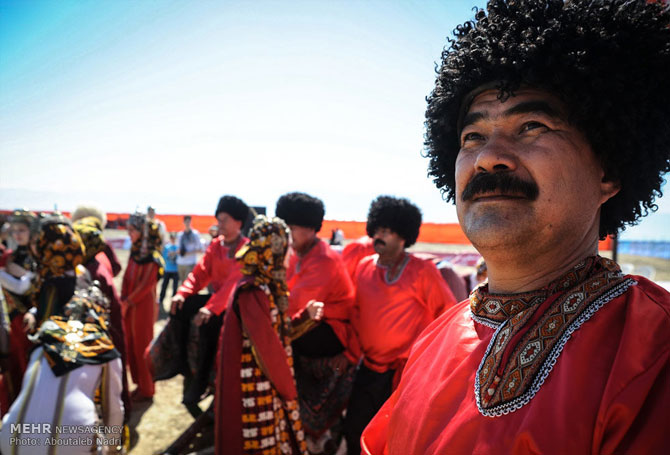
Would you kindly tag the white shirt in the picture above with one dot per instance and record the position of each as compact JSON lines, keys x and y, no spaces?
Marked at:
{"x":42,"y":392}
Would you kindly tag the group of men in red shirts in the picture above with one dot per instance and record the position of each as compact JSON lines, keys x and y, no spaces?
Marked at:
{"x":355,"y":315}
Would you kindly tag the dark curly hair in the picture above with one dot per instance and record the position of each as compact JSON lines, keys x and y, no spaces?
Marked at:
{"x":397,"y":214}
{"x":301,"y":209}
{"x":607,"y":60}
{"x":233,"y":206}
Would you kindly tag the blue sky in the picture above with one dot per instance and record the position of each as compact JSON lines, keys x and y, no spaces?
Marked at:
{"x":171,"y":103}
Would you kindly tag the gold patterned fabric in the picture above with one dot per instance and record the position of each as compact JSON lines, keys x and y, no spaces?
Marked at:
{"x":532,"y":328}
{"x":79,"y":336}
{"x":89,"y":230}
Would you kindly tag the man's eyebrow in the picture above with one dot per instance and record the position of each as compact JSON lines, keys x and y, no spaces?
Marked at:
{"x":534,"y":107}
{"x":473,"y":117}
{"x":528,"y":107}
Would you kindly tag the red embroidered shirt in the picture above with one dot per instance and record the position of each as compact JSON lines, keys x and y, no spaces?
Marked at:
{"x":603,"y":386}
{"x":320,"y":275}
{"x":389,"y":316}
{"x":355,"y":251}
{"x":219,"y":267}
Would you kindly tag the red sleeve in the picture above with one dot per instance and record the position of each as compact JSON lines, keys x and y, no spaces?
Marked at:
{"x":437,"y":295}
{"x":201,"y":274}
{"x":255,"y":315}
{"x":325,"y":281}
{"x":219,"y":301}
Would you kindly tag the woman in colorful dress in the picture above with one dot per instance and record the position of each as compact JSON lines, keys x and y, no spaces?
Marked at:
{"x":138,"y":300}
{"x":73,"y":381}
{"x":58,"y":251}
{"x":256,"y":400}
{"x":15,"y":280}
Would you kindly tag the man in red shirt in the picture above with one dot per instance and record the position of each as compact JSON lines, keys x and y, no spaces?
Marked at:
{"x":546,"y":132}
{"x":397,"y":296}
{"x":325,"y":351}
{"x":218,"y":268}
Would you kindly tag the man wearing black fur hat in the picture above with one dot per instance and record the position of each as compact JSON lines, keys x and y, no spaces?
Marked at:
{"x":218,"y":268}
{"x":397,"y":296}
{"x":548,"y":126}
{"x":320,"y":301}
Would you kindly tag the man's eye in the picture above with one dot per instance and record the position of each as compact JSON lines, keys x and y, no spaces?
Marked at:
{"x":471,"y":137}
{"x":528,"y":126}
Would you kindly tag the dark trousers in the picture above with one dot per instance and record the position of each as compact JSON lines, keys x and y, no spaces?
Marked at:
{"x":174,"y":276}
{"x":320,"y":341}
{"x":369,"y":393}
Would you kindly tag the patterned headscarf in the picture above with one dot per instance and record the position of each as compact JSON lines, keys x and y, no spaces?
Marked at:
{"x":23,"y":216}
{"x":263,"y":257}
{"x":140,"y":222}
{"x":152,"y":246}
{"x":58,"y":249}
{"x":80,"y":336}
{"x":89,"y":230}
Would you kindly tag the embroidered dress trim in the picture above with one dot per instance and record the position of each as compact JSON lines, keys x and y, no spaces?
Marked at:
{"x":485,"y":321}
{"x":546,"y":365}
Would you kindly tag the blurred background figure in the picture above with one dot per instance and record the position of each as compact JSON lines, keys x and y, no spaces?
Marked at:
{"x":213,"y":232}
{"x":170,"y":250}
{"x":478,"y":276}
{"x":162,"y":229}
{"x":188,"y":242}
{"x":138,"y":299}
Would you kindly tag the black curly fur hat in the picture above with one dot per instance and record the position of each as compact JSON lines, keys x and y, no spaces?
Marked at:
{"x":607,"y":60}
{"x":397,"y":214}
{"x":301,"y":209}
{"x":233,"y":206}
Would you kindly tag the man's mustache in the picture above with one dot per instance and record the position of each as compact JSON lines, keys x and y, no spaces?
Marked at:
{"x":501,"y":182}
{"x":379,"y":242}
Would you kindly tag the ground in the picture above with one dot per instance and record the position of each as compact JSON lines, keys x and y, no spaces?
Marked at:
{"x":157,"y":425}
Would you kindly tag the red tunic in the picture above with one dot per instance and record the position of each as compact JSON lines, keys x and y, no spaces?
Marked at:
{"x":219,"y":267}
{"x":389,"y":316}
{"x":138,"y":297}
{"x":355,"y":251}
{"x":607,"y":392}
{"x":320,"y":275}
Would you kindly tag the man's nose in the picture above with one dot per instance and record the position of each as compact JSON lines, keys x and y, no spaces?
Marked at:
{"x":497,"y":155}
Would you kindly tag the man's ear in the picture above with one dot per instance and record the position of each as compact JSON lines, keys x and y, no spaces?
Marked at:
{"x":608,"y":189}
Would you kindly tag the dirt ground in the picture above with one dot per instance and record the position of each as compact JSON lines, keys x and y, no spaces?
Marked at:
{"x":156,"y":425}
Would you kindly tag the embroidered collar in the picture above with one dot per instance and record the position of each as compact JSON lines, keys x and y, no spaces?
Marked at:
{"x":386,"y":270}
{"x":532,"y":328}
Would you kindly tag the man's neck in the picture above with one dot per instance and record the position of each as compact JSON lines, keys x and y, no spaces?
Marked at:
{"x":231,"y":240}
{"x":307,"y":247}
{"x":392,"y":261}
{"x":514,"y":271}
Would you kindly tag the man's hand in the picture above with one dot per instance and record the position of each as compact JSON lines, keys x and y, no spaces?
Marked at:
{"x":315,"y":310}
{"x":202,"y":317}
{"x":28,"y":322}
{"x":177,"y":303}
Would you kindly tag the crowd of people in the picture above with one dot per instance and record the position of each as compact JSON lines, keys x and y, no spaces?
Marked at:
{"x":548,"y":128}
{"x":337,"y":348}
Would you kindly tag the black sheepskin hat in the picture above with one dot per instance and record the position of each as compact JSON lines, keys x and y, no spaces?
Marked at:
{"x":397,"y":214}
{"x":607,"y":60}
{"x":301,"y":209}
{"x":234,"y":207}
